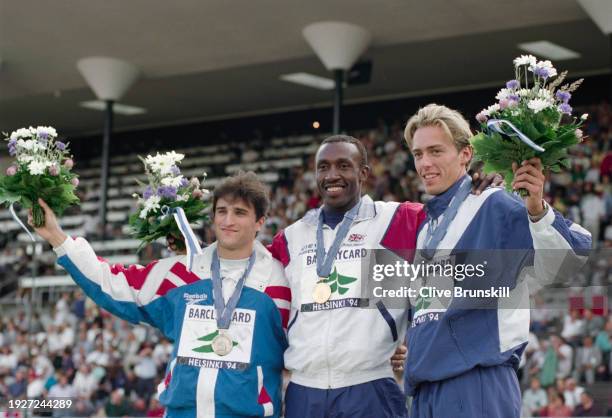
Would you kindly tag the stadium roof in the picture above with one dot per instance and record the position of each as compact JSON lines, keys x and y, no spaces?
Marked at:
{"x":204,"y":60}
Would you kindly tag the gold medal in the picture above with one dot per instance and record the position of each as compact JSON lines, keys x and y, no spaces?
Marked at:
{"x":222,"y":344}
{"x":321,"y":292}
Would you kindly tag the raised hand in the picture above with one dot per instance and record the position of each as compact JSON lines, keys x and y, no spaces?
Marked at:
{"x":529,"y":176}
{"x":50,"y":231}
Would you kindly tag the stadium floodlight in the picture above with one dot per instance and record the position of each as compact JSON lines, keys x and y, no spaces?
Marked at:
{"x":109,"y":78}
{"x":118,"y":108}
{"x":338,"y":45}
{"x":601,"y":13}
{"x":550,"y":50}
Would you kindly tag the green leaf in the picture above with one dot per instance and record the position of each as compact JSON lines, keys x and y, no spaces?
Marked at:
{"x":204,"y":349}
{"x":342,"y":290}
{"x":334,"y":287}
{"x":209,"y":337}
{"x":234,"y":343}
{"x":344,"y":280}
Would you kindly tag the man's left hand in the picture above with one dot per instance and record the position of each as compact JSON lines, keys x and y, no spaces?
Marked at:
{"x":398,"y":358}
{"x":481,"y":181}
{"x":529,"y":176}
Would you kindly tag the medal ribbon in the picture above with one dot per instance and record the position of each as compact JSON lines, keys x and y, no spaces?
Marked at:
{"x":435,"y":235}
{"x":16,"y":218}
{"x":191,"y":242}
{"x":224,"y":311}
{"x":326,"y":261}
{"x":496,"y":125}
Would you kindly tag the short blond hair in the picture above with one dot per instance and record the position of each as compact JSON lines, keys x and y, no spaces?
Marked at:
{"x":451,"y":122}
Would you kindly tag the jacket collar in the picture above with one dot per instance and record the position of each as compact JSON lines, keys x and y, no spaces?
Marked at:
{"x":260,"y":273}
{"x":367,"y":210}
{"x":438,"y":204}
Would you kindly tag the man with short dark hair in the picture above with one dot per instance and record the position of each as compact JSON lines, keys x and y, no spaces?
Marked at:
{"x":227,"y":316}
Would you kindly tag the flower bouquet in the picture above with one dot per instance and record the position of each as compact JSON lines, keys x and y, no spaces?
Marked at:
{"x":41,"y":170}
{"x":167,"y":189}
{"x":532,"y":118}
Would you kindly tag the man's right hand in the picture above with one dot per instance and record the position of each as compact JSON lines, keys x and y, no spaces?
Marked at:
{"x":50,"y":231}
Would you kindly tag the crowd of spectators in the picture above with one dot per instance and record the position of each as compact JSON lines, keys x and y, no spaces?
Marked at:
{"x":112,"y":368}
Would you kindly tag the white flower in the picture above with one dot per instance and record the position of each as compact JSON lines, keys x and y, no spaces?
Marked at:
{"x":524,"y":92}
{"x":38,"y":167}
{"x":525,"y":60}
{"x":182,"y":198}
{"x":584,"y":116}
{"x":30,"y":145}
{"x":537,"y":105}
{"x":491,"y":109}
{"x":172,"y":181}
{"x":21,"y":133}
{"x":46,"y":131}
{"x":503,"y":94}
{"x":162,"y":163}
{"x":25,"y":158}
{"x":150,"y":204}
{"x":544,"y":94}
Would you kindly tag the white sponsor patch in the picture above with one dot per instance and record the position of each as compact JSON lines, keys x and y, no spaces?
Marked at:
{"x":199,"y":331}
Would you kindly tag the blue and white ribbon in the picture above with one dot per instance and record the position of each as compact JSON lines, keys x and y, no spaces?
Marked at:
{"x":495,"y":125}
{"x":16,"y":218}
{"x":191,"y":242}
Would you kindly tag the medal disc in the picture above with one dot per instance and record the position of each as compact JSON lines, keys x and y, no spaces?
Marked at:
{"x":321,"y":293}
{"x":222,"y":345}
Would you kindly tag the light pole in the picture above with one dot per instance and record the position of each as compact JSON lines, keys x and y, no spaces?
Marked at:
{"x":109,"y":78}
{"x":338,"y":45}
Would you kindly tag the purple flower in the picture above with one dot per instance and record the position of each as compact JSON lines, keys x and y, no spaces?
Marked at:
{"x":513,"y":97}
{"x":563,"y":96}
{"x":565,"y":108}
{"x":11,"y":171}
{"x":12,"y":150}
{"x":60,"y":145}
{"x":542,"y":72}
{"x":167,"y":191}
{"x":147,"y":193}
{"x":513,"y":85}
{"x":175,"y":170}
{"x":184,"y":182}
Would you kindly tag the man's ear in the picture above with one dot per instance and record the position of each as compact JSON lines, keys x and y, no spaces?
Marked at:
{"x":260,"y":222}
{"x":364,"y":173}
{"x":466,"y":155}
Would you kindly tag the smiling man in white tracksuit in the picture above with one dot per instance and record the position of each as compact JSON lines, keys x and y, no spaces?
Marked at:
{"x":227,"y":359}
{"x":462,"y":352}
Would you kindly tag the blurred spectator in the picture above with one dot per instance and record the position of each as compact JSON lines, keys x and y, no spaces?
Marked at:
{"x":145,"y":370}
{"x":534,"y":399}
{"x":117,"y":405}
{"x":17,"y":389}
{"x":155,"y":409}
{"x":85,"y":382}
{"x":572,"y":392}
{"x":588,"y":359}
{"x":586,"y":407}
{"x":556,"y":406}
{"x":573,"y":327}
{"x":592,"y":323}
